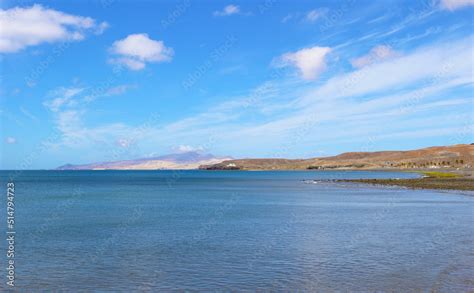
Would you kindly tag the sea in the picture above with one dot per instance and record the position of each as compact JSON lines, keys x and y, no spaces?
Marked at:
{"x":283,"y":231}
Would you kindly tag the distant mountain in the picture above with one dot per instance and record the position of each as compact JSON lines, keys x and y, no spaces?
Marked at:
{"x":182,"y":161}
{"x":456,"y":156}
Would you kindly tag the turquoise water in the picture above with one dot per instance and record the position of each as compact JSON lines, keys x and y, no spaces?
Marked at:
{"x":202,"y":230}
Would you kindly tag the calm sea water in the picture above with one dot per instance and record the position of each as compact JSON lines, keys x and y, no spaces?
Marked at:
{"x":201,"y":230}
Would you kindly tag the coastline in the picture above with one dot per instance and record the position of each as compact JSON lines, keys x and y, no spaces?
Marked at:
{"x":437,"y":181}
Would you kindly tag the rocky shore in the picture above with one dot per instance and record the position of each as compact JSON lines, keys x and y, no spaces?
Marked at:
{"x":450,"y":183}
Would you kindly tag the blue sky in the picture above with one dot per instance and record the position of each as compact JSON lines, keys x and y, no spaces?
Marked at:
{"x":89,"y":81}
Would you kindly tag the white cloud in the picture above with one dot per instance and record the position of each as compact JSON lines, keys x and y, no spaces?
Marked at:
{"x":31,"y":26}
{"x":69,"y":106}
{"x":455,"y":4}
{"x":188,"y":148}
{"x":310,"y":61}
{"x":62,"y":97}
{"x":314,"y":15}
{"x":228,"y":10}
{"x":67,"y":98}
{"x":10,"y":140}
{"x":376,"y":54}
{"x":136,"y":50}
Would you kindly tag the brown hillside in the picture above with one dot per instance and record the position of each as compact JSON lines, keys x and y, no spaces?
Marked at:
{"x":456,"y":156}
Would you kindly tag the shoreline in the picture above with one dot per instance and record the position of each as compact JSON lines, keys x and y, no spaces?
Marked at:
{"x":459,"y":184}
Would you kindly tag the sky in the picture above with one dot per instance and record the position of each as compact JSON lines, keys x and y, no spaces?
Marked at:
{"x":93,"y":81}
